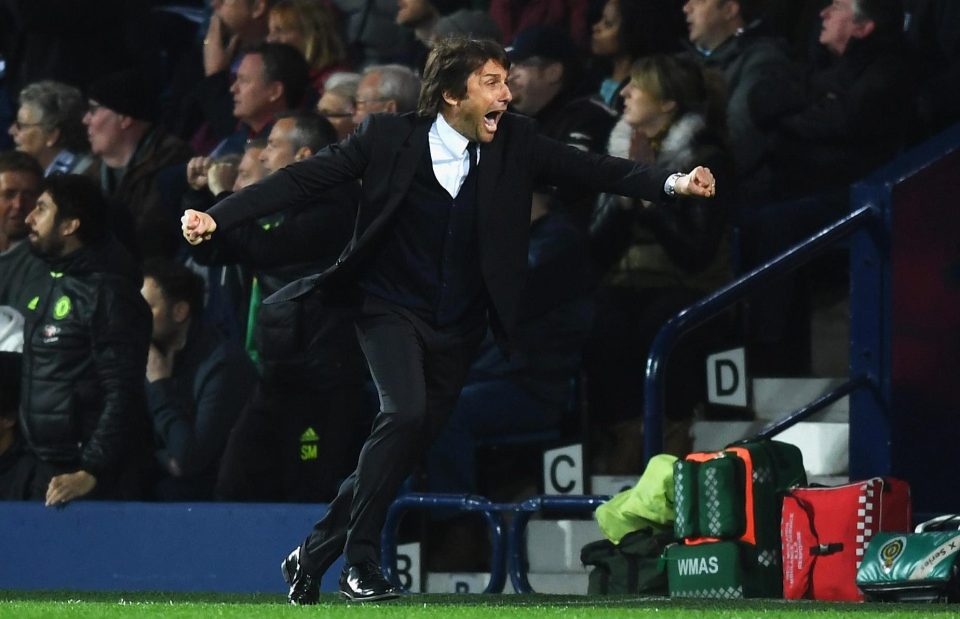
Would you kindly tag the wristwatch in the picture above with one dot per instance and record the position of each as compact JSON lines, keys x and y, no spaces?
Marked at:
{"x":670,"y":186}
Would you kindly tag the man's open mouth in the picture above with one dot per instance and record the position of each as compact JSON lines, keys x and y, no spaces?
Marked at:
{"x":491,"y":119}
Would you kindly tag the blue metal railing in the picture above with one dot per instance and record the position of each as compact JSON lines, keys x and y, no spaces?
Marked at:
{"x":712,"y":305}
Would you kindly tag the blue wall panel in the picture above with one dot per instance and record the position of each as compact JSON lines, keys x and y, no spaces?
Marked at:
{"x":105,"y":546}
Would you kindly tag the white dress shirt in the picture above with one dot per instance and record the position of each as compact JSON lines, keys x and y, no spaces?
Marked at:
{"x":448,"y":151}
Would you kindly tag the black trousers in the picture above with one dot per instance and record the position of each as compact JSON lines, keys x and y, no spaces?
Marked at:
{"x":418,"y":370}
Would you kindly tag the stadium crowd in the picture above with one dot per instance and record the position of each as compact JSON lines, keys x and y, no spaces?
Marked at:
{"x":135,"y":366}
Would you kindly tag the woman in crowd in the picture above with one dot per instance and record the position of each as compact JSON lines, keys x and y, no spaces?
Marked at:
{"x":313,"y":29}
{"x":627,"y":30}
{"x":656,"y":258}
{"x":49,"y":126}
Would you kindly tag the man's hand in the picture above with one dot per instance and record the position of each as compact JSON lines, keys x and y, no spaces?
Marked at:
{"x":699,"y":182}
{"x":197,"y":226}
{"x":216,"y":55}
{"x":65,"y":488}
{"x":159,"y":365}
{"x":221,"y":177}
{"x":197,"y":169}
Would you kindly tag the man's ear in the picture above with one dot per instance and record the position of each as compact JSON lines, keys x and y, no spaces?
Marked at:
{"x":275,"y":91}
{"x":553,"y":72}
{"x":69,"y":226}
{"x":730,"y":8}
{"x":53,"y":137}
{"x":125,"y":121}
{"x":302,"y":153}
{"x":450,"y":99}
{"x":180,"y":311}
{"x":863,"y":29}
{"x":390,"y":106}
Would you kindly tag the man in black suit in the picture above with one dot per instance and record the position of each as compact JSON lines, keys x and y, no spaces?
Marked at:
{"x":439,"y":249}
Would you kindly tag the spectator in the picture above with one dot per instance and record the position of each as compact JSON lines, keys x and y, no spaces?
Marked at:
{"x":627,"y":30}
{"x":545,"y":78}
{"x":855,"y":110}
{"x":545,"y":81}
{"x":250,"y":169}
{"x":285,"y":446}
{"x":83,"y":402}
{"x":49,"y":126}
{"x":22,"y":274}
{"x":338,"y":103}
{"x":228,"y":286}
{"x":15,"y":468}
{"x":852,"y":113}
{"x":656,"y":259}
{"x":271,"y":79}
{"x":389,"y":88}
{"x":133,"y":150}
{"x":200,"y":89}
{"x":196,"y":384}
{"x":727,"y":36}
{"x":312,"y":28}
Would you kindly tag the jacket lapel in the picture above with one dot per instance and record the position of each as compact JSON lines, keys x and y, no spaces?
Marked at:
{"x":406,"y":158}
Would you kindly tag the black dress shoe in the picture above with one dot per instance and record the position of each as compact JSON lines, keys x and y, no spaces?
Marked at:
{"x":364,"y":582}
{"x":304,"y":588}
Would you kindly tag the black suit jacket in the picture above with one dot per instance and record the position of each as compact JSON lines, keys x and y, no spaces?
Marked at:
{"x":384,"y":153}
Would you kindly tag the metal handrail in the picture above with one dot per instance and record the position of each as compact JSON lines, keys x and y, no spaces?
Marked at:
{"x":713,"y":304}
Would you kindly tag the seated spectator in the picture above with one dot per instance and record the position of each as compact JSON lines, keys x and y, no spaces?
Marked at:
{"x":22,"y":274}
{"x":546,"y":83}
{"x":197,"y":383}
{"x":271,"y":78}
{"x":301,"y":433}
{"x":49,"y":126}
{"x":854,"y":112}
{"x":133,"y":150}
{"x":15,"y":468}
{"x":84,"y":406}
{"x":389,"y":88}
{"x":338,"y":103}
{"x":227,"y":286}
{"x":656,"y":258}
{"x":727,"y":36}
{"x":627,"y":30}
{"x":200,"y":91}
{"x":312,"y":28}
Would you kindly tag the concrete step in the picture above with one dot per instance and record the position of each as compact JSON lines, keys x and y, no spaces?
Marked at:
{"x":825,"y":445}
{"x":553,"y":546}
{"x":772,"y":398}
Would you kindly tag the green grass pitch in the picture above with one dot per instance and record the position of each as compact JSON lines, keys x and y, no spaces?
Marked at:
{"x":27,"y":605}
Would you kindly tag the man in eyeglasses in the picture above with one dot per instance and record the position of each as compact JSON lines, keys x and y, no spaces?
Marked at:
{"x":386,"y":88}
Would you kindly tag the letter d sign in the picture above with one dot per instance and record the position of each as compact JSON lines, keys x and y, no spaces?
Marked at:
{"x":727,"y":378}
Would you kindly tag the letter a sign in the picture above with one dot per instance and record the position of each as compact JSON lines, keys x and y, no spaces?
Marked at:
{"x":727,"y":378}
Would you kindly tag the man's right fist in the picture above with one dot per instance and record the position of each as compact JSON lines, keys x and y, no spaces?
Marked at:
{"x":197,"y":226}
